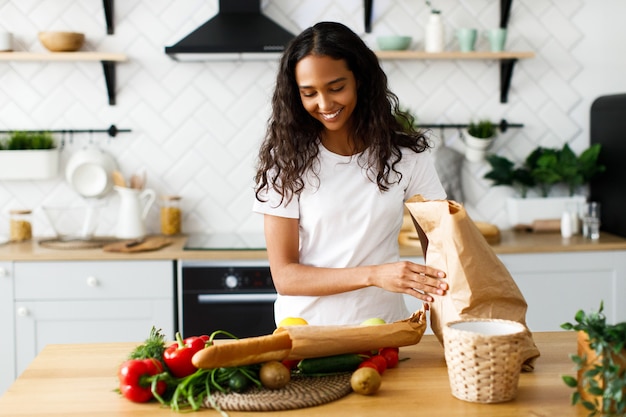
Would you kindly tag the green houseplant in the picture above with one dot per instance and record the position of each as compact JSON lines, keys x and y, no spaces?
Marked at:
{"x":28,"y":155}
{"x":479,"y":137}
{"x":600,"y":364}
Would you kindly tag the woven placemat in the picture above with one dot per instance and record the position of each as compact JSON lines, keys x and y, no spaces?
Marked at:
{"x":300,"y":392}
{"x":92,"y":243}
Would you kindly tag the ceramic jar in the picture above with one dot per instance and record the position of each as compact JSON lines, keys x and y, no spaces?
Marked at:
{"x":434,"y":34}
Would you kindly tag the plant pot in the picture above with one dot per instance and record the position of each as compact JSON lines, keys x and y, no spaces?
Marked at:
{"x":36,"y":164}
{"x":591,"y":360}
{"x":476,"y":148}
{"x":524,"y":211}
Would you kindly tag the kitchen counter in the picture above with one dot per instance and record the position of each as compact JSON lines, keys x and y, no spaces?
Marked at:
{"x":511,"y":243}
{"x":79,"y":380}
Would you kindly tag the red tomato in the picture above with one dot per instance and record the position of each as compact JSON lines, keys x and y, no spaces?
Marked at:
{"x":290,"y":363}
{"x":368,"y":364}
{"x":380,"y":363}
{"x":391,"y":356}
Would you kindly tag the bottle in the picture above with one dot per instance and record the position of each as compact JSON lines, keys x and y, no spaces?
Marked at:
{"x":566,"y":224}
{"x":20,"y":225}
{"x":171,"y":215}
{"x":433,"y":34}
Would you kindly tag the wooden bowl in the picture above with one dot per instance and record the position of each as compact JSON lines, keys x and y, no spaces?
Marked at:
{"x":62,"y":41}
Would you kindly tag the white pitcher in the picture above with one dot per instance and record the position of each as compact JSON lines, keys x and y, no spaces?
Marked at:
{"x":134,"y":207}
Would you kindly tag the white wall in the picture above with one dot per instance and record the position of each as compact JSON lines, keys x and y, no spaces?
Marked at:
{"x":196,"y":126}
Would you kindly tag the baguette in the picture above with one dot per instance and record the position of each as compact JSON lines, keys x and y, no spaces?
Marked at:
{"x":248,"y":351}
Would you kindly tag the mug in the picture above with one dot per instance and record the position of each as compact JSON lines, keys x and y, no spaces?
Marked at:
{"x":6,"y":41}
{"x":467,"y":39}
{"x":497,"y":39}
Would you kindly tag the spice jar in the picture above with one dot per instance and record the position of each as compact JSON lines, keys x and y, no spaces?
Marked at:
{"x":20,"y":225}
{"x":171,"y":215}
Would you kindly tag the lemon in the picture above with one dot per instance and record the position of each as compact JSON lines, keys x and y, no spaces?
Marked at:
{"x":292,"y":321}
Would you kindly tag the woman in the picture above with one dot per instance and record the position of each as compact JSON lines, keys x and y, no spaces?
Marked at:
{"x":333,"y":174}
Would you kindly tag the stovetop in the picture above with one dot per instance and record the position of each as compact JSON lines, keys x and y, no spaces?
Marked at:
{"x":225,"y":241}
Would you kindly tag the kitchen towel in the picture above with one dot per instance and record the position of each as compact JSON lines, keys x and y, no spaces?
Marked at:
{"x":480,"y":286}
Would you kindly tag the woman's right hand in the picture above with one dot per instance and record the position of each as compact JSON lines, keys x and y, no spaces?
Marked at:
{"x":410,"y":278}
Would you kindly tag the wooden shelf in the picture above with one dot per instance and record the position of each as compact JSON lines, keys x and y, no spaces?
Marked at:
{"x":454,"y":55}
{"x":507,"y":61}
{"x":107,"y":60}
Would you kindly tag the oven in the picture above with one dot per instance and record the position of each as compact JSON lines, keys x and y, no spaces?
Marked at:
{"x":235,"y":296}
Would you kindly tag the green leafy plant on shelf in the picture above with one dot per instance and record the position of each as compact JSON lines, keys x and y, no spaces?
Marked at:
{"x":601,"y":371}
{"x":430,"y":6}
{"x":27,"y":140}
{"x":482,"y":129}
{"x":545,"y":167}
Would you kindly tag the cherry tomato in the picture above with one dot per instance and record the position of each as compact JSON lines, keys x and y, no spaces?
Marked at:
{"x":391,"y":356}
{"x":368,"y":364}
{"x":380,"y":363}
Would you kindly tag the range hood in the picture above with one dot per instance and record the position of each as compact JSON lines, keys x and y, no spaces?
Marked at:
{"x":238,"y":31}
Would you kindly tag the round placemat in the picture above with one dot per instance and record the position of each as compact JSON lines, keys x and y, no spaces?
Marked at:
{"x":300,"y":392}
{"x":92,"y":243}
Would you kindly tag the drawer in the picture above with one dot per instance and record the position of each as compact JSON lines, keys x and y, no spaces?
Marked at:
{"x":93,"y":280}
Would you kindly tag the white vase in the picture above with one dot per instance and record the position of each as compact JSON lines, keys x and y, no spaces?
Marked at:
{"x":434,"y":34}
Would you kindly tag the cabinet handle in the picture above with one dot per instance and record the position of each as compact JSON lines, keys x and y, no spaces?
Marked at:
{"x":4,"y":272}
{"x":23,"y":311}
{"x":93,"y":281}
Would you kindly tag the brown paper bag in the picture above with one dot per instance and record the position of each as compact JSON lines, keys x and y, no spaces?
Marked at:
{"x":480,"y":286}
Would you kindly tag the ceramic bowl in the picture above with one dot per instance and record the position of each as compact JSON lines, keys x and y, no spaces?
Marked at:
{"x":393,"y":42}
{"x":89,"y":171}
{"x":62,"y":41}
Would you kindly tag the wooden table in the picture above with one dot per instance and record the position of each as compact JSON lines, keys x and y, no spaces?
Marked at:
{"x":79,"y":381}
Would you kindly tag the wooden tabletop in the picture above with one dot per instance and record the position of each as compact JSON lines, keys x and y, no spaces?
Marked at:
{"x":79,"y":381}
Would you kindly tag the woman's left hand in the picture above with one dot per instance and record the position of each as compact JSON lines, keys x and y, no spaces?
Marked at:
{"x":410,"y":278}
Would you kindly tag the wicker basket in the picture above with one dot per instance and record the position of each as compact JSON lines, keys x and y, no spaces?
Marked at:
{"x":483,"y":358}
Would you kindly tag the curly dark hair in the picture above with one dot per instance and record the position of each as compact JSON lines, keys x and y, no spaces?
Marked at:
{"x":291,"y":142}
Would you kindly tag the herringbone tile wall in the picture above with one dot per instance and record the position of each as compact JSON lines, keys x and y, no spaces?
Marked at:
{"x":196,"y":126}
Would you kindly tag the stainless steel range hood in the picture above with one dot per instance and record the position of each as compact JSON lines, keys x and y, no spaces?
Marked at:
{"x":238,"y":31}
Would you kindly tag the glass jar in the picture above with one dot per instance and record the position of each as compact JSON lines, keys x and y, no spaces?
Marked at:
{"x":20,"y":225}
{"x":171,"y":215}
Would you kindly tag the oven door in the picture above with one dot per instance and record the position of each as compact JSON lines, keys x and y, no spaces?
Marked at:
{"x":236,"y":297}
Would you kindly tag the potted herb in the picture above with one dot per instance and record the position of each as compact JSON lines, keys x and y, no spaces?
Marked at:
{"x":542,"y":170}
{"x":478,"y":138}
{"x":28,"y":155}
{"x":600,"y":364}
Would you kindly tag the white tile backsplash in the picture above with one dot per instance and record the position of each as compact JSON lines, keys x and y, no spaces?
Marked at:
{"x":196,"y":127}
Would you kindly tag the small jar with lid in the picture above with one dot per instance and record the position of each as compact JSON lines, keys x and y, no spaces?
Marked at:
{"x":20,"y":225}
{"x":171,"y":215}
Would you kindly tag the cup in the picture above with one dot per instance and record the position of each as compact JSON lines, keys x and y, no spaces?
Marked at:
{"x":591,"y":220}
{"x":6,"y":41}
{"x":467,"y":39}
{"x":497,"y":39}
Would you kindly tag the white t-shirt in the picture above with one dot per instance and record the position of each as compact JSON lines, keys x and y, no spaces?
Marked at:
{"x":346,"y":221}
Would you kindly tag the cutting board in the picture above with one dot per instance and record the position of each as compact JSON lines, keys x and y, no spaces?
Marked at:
{"x":142,"y":245}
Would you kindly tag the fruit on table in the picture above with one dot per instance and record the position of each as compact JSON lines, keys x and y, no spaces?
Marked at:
{"x":292,"y":321}
{"x":178,"y":356}
{"x":373,"y":322}
{"x":274,"y":375}
{"x":365,"y":381}
{"x":136,"y":376}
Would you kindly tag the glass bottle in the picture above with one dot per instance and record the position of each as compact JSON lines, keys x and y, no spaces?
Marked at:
{"x":434,"y":34}
{"x":171,"y":215}
{"x":20,"y":225}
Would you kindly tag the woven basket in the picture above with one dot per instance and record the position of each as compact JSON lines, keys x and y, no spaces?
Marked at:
{"x":483,"y":358}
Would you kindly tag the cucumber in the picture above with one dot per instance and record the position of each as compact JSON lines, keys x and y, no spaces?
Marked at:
{"x":330,"y":364}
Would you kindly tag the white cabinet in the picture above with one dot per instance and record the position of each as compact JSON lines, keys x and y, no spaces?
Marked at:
{"x":7,"y":347}
{"x":557,"y":285}
{"x":89,"y":302}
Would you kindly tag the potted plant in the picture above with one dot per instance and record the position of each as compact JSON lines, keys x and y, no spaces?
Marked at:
{"x":28,"y":155}
{"x":542,"y":170}
{"x":479,"y":136}
{"x":600,"y":364}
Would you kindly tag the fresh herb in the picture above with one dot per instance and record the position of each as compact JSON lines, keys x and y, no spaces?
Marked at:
{"x":152,"y":348}
{"x":26,"y":140}
{"x":483,"y":129}
{"x":437,"y":11}
{"x":604,"y":378}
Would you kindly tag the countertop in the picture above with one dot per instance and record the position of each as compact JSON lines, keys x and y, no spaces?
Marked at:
{"x":79,"y":380}
{"x":511,"y":242}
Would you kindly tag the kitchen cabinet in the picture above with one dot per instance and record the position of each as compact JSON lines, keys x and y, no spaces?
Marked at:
{"x":557,"y":285}
{"x":89,"y":301}
{"x":7,"y":347}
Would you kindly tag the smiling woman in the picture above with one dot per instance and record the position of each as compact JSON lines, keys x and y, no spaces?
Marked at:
{"x":334,"y":171}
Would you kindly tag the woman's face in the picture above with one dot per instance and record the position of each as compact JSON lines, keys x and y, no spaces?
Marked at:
{"x":328,"y":90}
